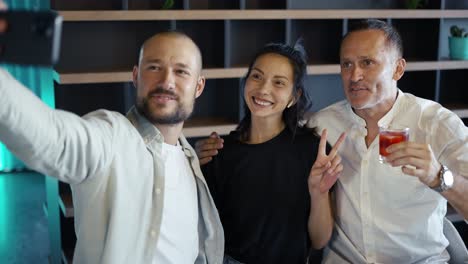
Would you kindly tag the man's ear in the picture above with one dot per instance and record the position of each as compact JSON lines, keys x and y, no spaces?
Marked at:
{"x":399,"y":69}
{"x":200,"y":86}
{"x":135,"y":76}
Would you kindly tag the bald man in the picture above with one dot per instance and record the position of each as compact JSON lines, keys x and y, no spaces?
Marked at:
{"x":138,"y":192}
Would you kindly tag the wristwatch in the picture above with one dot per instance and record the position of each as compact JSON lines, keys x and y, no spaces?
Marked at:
{"x":446,"y":180}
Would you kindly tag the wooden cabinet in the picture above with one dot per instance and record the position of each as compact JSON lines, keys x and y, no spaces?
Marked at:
{"x":101,"y":40}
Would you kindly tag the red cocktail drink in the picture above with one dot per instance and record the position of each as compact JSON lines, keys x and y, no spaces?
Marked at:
{"x":388,"y":137}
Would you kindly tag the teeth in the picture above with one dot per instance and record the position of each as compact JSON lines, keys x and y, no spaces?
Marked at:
{"x":261,"y":102}
{"x":165,"y":97}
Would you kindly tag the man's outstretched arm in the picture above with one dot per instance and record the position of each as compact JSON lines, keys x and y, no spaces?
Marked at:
{"x":53,"y":142}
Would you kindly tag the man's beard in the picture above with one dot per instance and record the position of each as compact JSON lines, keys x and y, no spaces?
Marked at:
{"x":180,"y":114}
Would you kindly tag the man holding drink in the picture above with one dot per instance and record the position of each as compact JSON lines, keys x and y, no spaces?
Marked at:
{"x":391,"y":211}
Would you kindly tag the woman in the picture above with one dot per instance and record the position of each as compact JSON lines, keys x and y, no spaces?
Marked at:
{"x":272,"y":205}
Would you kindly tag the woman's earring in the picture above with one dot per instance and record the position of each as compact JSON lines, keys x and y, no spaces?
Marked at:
{"x":290,"y":104}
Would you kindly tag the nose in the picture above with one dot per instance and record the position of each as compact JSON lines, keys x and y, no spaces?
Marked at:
{"x":264,"y":87}
{"x":356,"y":74}
{"x":167,"y":80}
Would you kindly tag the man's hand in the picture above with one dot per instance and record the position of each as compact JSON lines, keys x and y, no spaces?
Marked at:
{"x":417,"y":160}
{"x":208,"y":147}
{"x":326,"y":168}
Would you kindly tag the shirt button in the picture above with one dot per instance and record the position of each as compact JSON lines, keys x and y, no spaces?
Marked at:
{"x":158,"y":191}
{"x":153,"y":233}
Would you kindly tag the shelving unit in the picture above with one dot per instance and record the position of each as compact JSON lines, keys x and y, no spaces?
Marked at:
{"x":410,"y":80}
{"x":239,"y":72}
{"x":101,"y":40}
{"x":226,"y":56}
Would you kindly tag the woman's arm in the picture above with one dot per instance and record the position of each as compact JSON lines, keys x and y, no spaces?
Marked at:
{"x":323,"y":175}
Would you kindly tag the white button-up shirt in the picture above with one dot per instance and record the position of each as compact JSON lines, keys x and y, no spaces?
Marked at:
{"x":383,"y":215}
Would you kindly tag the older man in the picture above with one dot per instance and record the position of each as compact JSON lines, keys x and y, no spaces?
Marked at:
{"x":391,"y":213}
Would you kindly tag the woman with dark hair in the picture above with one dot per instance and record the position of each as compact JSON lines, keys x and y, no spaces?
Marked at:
{"x":272,"y":176}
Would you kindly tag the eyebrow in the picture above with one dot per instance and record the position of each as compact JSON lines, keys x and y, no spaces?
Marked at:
{"x":359,"y":58}
{"x":281,"y":77}
{"x":182,"y":65}
{"x":276,"y":76}
{"x":257,"y":69}
{"x":151,"y":60}
{"x":178,"y":64}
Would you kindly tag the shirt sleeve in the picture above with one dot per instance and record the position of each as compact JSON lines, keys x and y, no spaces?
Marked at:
{"x":449,"y":138}
{"x":53,"y":142}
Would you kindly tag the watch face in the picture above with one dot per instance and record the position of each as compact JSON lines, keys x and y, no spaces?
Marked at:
{"x":448,"y":178}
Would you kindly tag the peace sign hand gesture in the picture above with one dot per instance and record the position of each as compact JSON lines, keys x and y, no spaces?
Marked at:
{"x":326,"y":168}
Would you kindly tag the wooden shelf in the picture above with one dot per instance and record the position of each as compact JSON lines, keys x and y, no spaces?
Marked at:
{"x":139,"y":15}
{"x":126,"y":76}
{"x":323,"y":69}
{"x":462,"y":113}
{"x":202,"y":127}
{"x":459,"y":109}
{"x":94,"y":77}
{"x":66,"y":204}
{"x":222,"y":73}
{"x":437,"y":65}
{"x":239,"y":72}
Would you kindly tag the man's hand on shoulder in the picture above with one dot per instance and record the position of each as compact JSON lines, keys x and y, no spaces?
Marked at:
{"x":208,"y":147}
